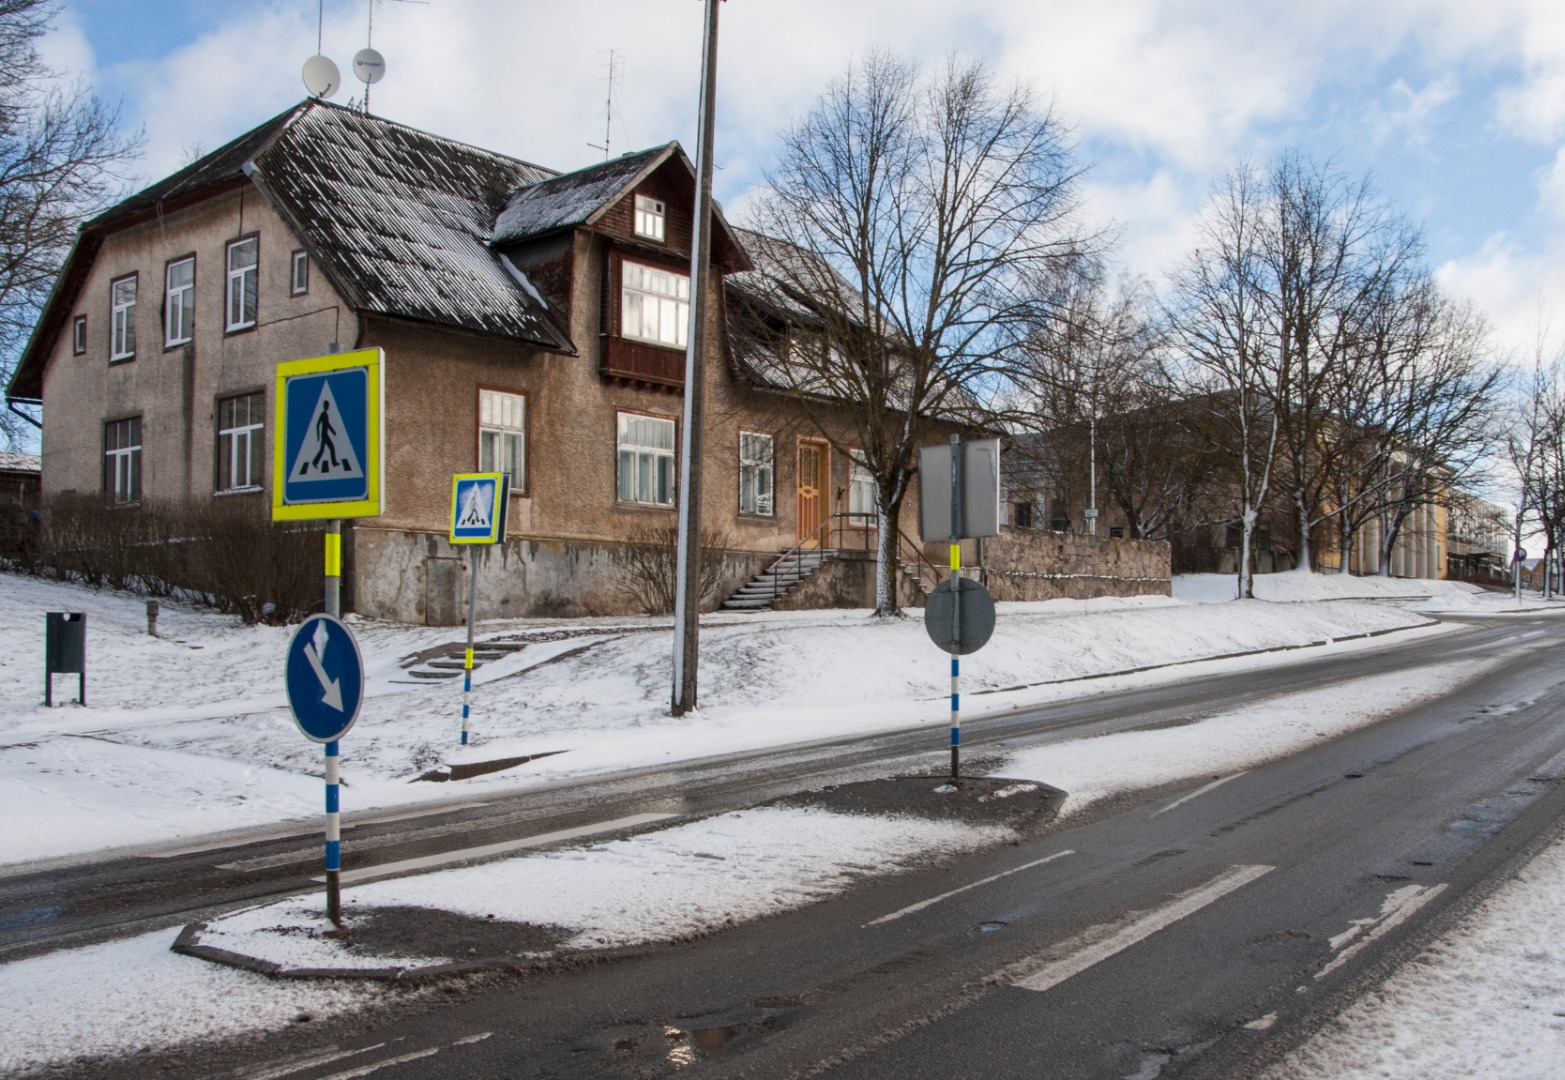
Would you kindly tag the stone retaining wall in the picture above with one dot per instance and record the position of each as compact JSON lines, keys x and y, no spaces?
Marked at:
{"x":1033,"y":564}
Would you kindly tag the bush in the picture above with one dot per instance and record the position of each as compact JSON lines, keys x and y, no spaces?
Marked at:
{"x":648,"y":570}
{"x":226,"y":553}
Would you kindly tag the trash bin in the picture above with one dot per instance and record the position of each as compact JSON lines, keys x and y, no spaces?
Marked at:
{"x":65,"y":651}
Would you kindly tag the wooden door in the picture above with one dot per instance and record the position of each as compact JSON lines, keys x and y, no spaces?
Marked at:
{"x":814,"y":482}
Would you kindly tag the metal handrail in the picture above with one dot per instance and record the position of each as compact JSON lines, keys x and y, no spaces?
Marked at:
{"x":920,"y":562}
{"x":817,"y":534}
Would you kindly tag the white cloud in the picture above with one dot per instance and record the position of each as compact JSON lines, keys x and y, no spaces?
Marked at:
{"x":1411,"y":110}
{"x":1514,"y":287}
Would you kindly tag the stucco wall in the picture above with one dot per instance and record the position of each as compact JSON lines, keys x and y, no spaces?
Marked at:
{"x":1032,"y":564}
{"x":176,"y":390}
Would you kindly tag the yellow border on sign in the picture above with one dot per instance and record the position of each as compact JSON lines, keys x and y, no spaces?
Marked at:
{"x":496,"y":510}
{"x":374,"y":361}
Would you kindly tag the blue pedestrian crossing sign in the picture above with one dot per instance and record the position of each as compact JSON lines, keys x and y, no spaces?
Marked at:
{"x":478,"y":505}
{"x":326,"y":460}
{"x":325,"y":678}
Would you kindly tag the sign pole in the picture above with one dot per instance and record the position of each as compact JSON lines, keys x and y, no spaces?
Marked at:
{"x":467,"y":661}
{"x":333,"y":816}
{"x":956,"y":606}
{"x":333,"y":839}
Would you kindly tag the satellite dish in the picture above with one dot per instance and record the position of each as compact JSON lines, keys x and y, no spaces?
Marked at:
{"x":369,"y":66}
{"x":321,"y":77}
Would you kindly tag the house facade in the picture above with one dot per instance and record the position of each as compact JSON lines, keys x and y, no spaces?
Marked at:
{"x":532,"y":323}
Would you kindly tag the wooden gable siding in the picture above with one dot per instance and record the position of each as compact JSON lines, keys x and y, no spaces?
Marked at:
{"x":669,"y":185}
{"x":636,"y":361}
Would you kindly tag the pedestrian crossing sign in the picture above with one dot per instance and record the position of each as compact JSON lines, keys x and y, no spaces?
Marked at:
{"x":478,"y":505}
{"x":326,"y":459}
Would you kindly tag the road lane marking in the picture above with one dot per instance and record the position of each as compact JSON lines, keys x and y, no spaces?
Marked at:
{"x":294,"y":834}
{"x":376,"y":1066}
{"x":1199,"y":791}
{"x":1397,"y":908}
{"x":922,"y":904}
{"x":466,"y":854}
{"x":1098,"y":943}
{"x":275,"y":1069}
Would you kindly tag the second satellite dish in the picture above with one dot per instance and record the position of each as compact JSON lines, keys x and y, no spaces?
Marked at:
{"x":368,"y":66}
{"x":321,"y":77}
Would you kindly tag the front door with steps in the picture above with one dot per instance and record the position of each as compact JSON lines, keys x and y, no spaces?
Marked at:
{"x":814,"y":488}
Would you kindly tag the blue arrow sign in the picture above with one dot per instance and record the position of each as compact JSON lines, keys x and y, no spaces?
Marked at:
{"x":325,"y":678}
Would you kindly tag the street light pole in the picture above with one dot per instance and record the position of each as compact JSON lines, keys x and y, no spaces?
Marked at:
{"x":687,"y":575}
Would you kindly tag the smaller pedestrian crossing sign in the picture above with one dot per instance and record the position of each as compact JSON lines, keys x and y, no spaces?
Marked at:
{"x":478,"y":505}
{"x":326,"y":460}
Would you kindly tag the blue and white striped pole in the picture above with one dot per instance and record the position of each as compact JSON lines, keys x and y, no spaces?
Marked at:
{"x":467,"y":662}
{"x":333,"y":838}
{"x":956,"y":717}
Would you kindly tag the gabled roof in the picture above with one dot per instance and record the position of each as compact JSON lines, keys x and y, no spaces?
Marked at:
{"x":577,"y":198}
{"x":403,"y":218}
{"x":403,"y":223}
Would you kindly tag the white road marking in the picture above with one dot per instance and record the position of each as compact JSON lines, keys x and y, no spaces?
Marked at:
{"x":1398,"y":907}
{"x":480,"y":1037}
{"x":365,"y":1070}
{"x":1199,"y":792}
{"x":465,"y":854}
{"x":922,"y":904}
{"x":290,"y":834}
{"x":273,"y":1070}
{"x":1098,"y":943}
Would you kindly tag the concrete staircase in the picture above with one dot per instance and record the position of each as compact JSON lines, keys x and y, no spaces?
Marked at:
{"x":777,"y":580}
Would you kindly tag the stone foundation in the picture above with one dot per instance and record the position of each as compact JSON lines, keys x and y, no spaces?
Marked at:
{"x":418,"y":577}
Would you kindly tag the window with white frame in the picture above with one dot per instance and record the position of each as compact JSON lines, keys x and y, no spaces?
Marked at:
{"x":755,"y":474}
{"x":299,"y":274}
{"x":122,"y":460}
{"x":79,"y":335}
{"x":122,"y":319}
{"x":241,"y":293}
{"x":241,"y":422}
{"x":650,"y":216}
{"x":863,"y":498}
{"x":179,"y":301}
{"x":646,"y":459}
{"x":502,"y":435}
{"x":656,"y":305}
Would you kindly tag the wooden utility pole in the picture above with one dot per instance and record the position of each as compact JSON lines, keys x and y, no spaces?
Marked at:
{"x":687,"y":585}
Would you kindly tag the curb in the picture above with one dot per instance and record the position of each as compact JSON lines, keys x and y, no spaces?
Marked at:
{"x":188,"y":944}
{"x":1204,"y":659}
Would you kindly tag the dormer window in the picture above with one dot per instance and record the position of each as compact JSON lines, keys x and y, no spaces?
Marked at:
{"x":649,"y":218}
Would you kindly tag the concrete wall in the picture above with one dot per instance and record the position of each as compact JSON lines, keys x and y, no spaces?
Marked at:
{"x":1032,"y":564}
{"x":423,"y":578}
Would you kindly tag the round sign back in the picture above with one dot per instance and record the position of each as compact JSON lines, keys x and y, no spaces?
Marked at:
{"x":959,"y":616}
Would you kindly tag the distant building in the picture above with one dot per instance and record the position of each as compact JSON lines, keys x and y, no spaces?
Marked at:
{"x":19,"y":478}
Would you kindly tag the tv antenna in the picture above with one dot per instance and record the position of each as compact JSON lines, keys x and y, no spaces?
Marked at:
{"x":321,"y":76}
{"x":615,"y":76}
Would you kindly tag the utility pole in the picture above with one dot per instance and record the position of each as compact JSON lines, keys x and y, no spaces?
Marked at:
{"x":687,"y":583}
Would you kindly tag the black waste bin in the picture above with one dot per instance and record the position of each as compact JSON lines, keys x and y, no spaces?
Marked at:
{"x":65,"y":651}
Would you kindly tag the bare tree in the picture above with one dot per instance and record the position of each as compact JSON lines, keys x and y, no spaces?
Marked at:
{"x":1102,"y":406}
{"x":60,"y":152}
{"x":1223,"y":332}
{"x":921,"y":223}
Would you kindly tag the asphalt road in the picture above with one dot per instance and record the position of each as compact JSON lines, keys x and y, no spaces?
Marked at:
{"x":1195,"y":932}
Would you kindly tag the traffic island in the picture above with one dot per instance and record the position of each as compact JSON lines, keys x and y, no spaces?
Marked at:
{"x":1024,"y":806}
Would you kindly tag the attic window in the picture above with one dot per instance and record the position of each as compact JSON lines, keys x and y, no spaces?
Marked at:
{"x":649,"y":218}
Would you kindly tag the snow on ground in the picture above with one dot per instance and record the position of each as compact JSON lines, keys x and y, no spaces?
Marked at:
{"x":658,"y":886}
{"x":195,"y":720}
{"x":1487,"y":999}
{"x":127,"y":996}
{"x":188,"y":733}
{"x":1227,"y":743}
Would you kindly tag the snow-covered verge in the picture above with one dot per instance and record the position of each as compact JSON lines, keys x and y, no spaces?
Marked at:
{"x":1487,"y":999}
{"x":188,"y":733}
{"x":133,"y":994}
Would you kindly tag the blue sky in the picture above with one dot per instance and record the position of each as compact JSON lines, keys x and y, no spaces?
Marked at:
{"x":1456,"y":108}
